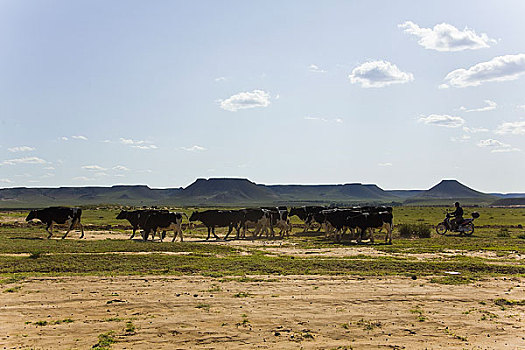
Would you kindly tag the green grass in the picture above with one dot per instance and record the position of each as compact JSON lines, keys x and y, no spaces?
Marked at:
{"x":497,"y":232}
{"x":104,"y":341}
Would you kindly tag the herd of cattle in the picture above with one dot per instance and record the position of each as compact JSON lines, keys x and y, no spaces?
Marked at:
{"x":360,"y":221}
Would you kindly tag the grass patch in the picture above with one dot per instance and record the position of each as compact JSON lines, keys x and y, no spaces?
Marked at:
{"x":507,"y":302}
{"x":130,"y":328}
{"x":203,"y":306}
{"x":104,"y":341}
{"x":242,"y":295}
{"x":414,"y":230}
{"x":452,"y":280}
{"x":12,"y":289}
{"x":368,"y":325}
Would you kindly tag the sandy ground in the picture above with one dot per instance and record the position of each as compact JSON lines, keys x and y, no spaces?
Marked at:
{"x":293,"y":312}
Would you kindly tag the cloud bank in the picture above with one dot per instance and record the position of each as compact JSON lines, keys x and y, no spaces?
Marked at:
{"x":501,"y":68}
{"x":445,"y":37}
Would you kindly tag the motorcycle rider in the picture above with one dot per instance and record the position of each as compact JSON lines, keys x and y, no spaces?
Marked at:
{"x":457,"y":216}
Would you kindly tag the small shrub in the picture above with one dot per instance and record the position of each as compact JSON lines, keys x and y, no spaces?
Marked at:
{"x":130,"y":328}
{"x":35,"y":255}
{"x":104,"y":341}
{"x":522,"y":236}
{"x":414,"y":230}
{"x":503,"y":232}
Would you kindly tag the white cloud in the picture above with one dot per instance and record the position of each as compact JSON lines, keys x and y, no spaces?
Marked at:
{"x":474,"y":130}
{"x":245,"y":100}
{"x":140,"y":144}
{"x":461,"y":139}
{"x":25,"y":160}
{"x":515,"y":128}
{"x":446,"y":38}
{"x":130,"y":141}
{"x":321,"y":119}
{"x":385,"y":164}
{"x":501,"y":68}
{"x":6,"y":181}
{"x":315,"y":69}
{"x":49,"y":168}
{"x":194,"y":148}
{"x":220,"y":79}
{"x":522,"y":107}
{"x":145,"y":146}
{"x":93,"y":168}
{"x":374,"y":74}
{"x":21,"y":149}
{"x":316,"y":118}
{"x":497,"y":146}
{"x":490,"y":105}
{"x":79,"y":137}
{"x":63,"y":138}
{"x":120,"y":168}
{"x":83,"y":178}
{"x":447,"y":121}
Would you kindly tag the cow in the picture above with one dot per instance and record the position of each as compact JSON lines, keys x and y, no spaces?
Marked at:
{"x":338,"y":219}
{"x":58,"y":215}
{"x":137,"y":218}
{"x":279,"y":218}
{"x":217,"y":218}
{"x":165,"y":221}
{"x":303,"y":212}
{"x":382,"y":219}
{"x":258,"y":217}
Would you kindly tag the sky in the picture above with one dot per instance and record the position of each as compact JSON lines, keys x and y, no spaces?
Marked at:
{"x":400,"y":94}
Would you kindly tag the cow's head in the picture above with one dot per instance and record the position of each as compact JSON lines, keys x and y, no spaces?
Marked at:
{"x":31,"y":215}
{"x":123,"y":214}
{"x":195,"y":216}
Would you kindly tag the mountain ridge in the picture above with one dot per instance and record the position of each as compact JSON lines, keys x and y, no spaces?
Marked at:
{"x":242,"y":192}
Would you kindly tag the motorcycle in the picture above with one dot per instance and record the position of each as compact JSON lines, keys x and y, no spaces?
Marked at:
{"x":466,"y":227}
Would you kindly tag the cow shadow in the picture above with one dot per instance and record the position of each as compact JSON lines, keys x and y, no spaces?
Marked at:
{"x":29,"y":238}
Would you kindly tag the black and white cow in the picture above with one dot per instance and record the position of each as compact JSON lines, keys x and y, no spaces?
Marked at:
{"x":164,"y":221}
{"x":279,"y":219}
{"x":137,"y":218}
{"x":58,"y":215}
{"x":259,"y":218}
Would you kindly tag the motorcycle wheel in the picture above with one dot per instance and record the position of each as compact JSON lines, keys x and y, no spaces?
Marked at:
{"x":441,"y":229}
{"x":469,"y":229}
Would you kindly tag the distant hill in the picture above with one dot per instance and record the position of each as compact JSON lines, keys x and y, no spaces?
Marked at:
{"x":232,"y":192}
{"x":507,"y":202}
{"x":450,"y":190}
{"x":220,"y":191}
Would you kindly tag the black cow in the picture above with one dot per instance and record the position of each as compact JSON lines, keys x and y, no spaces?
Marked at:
{"x":137,"y":218}
{"x":58,"y":215}
{"x":383,"y":219}
{"x":303,"y":212}
{"x":338,"y":219}
{"x":217,"y":218}
{"x":165,"y":221}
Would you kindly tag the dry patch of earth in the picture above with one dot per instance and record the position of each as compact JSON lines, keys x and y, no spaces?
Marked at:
{"x":264,"y":312}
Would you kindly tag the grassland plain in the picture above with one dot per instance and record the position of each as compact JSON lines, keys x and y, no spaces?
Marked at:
{"x":494,"y":255}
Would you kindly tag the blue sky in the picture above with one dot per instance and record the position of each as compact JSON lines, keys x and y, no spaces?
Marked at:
{"x":401,"y":94}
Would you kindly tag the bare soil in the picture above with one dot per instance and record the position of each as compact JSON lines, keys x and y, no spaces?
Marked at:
{"x":268,"y":312}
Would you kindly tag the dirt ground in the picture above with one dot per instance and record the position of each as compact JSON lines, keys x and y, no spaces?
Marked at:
{"x":266,"y":312}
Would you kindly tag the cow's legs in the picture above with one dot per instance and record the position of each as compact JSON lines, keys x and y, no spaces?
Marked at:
{"x":81,"y":229}
{"x":71,"y":224}
{"x":371,"y":235}
{"x":49,"y":229}
{"x":209,"y":232}
{"x":230,"y":229}
{"x":213,"y":231}
{"x":133,"y":234}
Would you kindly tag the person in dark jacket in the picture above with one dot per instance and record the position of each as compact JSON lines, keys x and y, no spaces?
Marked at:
{"x":457,"y":216}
